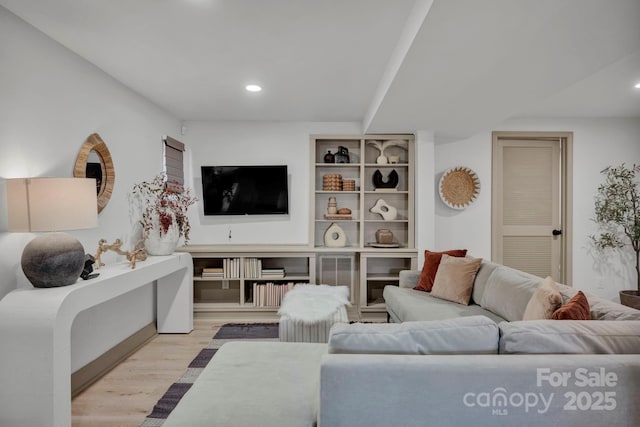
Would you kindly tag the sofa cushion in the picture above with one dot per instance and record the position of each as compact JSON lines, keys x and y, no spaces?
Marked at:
{"x":544,"y":302}
{"x":406,"y":304}
{"x":508,"y":292}
{"x":430,"y":267}
{"x":570,"y":337}
{"x":464,"y":335}
{"x":577,"y":308}
{"x":454,"y":279}
{"x":482,"y":276}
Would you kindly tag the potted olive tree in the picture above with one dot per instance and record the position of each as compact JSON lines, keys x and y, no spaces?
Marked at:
{"x":617,"y":209}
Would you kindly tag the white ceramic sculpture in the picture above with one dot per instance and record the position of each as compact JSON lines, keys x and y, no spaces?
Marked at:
{"x":335,"y":237}
{"x":387,"y":211}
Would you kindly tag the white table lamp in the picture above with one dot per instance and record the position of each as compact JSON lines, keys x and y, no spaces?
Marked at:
{"x":52,"y":204}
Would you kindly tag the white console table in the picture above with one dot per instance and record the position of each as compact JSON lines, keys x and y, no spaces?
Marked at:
{"x":35,"y":333}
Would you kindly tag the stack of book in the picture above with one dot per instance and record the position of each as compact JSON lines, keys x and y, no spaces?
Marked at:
{"x":213,"y":273}
{"x":272,"y":273}
{"x":270,"y":294}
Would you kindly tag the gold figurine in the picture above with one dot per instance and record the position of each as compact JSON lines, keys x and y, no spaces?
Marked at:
{"x":137,"y":254}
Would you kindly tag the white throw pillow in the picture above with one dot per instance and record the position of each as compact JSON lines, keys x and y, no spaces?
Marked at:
{"x":545,"y":300}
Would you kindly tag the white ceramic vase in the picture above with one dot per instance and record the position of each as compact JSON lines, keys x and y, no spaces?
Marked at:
{"x":388,"y":212}
{"x":165,"y":243}
{"x":335,"y":237}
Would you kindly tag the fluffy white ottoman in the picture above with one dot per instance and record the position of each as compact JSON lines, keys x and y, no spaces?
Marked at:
{"x":307,"y":312}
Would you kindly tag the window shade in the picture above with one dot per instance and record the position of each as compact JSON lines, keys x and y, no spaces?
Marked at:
{"x":173,"y":164}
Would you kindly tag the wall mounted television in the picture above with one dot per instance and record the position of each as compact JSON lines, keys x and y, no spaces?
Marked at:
{"x":245,"y":190}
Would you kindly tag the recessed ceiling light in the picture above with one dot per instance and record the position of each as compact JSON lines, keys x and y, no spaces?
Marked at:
{"x":637,"y":86}
{"x":253,"y":88}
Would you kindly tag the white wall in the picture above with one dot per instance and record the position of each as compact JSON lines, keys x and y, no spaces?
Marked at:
{"x":255,"y":143}
{"x":50,"y":101}
{"x":597,"y":143}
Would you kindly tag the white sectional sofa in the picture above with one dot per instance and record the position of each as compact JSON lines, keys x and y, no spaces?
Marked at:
{"x":444,"y":365}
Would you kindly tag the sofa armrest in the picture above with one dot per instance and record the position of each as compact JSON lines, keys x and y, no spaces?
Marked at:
{"x":479,"y":390}
{"x":409,"y":278}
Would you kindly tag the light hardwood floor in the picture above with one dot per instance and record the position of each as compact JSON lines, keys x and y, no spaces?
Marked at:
{"x":126,"y":395}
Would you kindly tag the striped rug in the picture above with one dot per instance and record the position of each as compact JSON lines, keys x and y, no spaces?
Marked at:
{"x":228,"y":332}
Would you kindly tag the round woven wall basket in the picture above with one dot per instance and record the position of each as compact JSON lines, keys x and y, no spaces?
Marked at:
{"x":459,"y":187}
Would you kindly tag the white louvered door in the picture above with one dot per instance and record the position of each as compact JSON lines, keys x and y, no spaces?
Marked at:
{"x":527,"y":205}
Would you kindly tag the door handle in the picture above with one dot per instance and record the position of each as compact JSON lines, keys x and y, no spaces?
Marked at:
{"x":556,"y":232}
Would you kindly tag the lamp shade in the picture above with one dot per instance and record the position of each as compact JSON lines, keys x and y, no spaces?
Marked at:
{"x":52,"y":204}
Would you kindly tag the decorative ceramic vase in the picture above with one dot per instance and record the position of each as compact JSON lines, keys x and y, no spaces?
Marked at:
{"x":342,"y":156}
{"x":384,"y":236}
{"x":381,"y":160}
{"x":335,"y":237}
{"x":158,"y":243}
{"x":329,"y":158}
{"x":391,"y":182}
{"x":332,"y":208}
{"x":388,"y":212}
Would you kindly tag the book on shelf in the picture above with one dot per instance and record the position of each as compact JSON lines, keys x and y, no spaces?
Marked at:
{"x":213,"y":272}
{"x":252,"y":268}
{"x":272,"y":273}
{"x":270,"y":294}
{"x":231,"y":268}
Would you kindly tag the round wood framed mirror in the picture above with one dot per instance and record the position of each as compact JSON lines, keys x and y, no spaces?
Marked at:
{"x":94,"y":161}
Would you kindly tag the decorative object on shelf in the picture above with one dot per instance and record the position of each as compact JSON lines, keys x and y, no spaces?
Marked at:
{"x":383,"y":245}
{"x":349,"y":185}
{"x":391,"y":182}
{"x":384,"y":236}
{"x":342,"y":156}
{"x":394,"y":160}
{"x":52,"y":204}
{"x":459,"y":187}
{"x":383,"y":145}
{"x":332,"y":182}
{"x":162,"y":213}
{"x":332,"y":208}
{"x":341,"y":214}
{"x":137,"y":254}
{"x":617,"y":216}
{"x":329,"y":158}
{"x":335,"y":237}
{"x":388,"y":212}
{"x":87,"y":272}
{"x":94,"y":161}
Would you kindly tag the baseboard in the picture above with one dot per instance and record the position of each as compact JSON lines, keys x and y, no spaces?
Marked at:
{"x":93,"y":371}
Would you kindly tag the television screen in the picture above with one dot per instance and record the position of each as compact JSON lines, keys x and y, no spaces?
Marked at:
{"x":245,"y":190}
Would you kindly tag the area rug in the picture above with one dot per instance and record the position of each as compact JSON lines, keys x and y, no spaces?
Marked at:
{"x":228,"y":332}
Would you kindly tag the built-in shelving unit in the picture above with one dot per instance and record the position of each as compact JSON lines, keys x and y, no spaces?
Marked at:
{"x":238,"y":267}
{"x":360,"y":231}
{"x":226,"y":289}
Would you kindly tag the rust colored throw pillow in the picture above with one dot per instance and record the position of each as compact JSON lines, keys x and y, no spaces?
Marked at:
{"x":455,"y":277}
{"x":577,"y":308}
{"x":430,"y":267}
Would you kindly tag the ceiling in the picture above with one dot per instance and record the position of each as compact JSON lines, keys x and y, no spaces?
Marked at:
{"x":453,"y":67}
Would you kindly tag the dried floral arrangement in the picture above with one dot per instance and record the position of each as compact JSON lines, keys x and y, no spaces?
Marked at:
{"x":163,"y":200}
